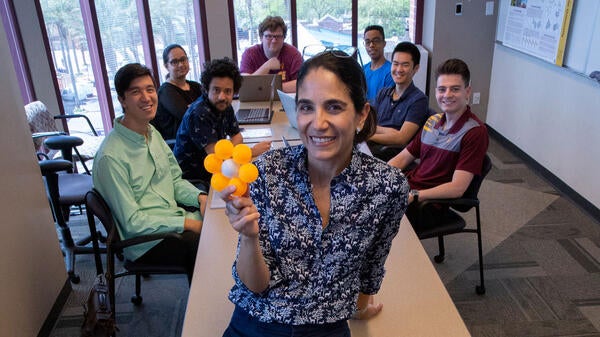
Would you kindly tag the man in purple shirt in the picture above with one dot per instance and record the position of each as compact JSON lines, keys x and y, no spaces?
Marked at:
{"x":272,"y":55}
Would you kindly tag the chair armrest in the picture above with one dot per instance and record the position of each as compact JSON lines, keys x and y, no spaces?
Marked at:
{"x":78,"y":116}
{"x":47,"y":134}
{"x":459,"y":204}
{"x":145,"y":238}
{"x":54,"y":165}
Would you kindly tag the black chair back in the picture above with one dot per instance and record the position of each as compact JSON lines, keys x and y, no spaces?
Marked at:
{"x":473,"y":189}
{"x":96,"y":206}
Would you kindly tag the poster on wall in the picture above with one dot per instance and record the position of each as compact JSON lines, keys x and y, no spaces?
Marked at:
{"x":539,"y":28}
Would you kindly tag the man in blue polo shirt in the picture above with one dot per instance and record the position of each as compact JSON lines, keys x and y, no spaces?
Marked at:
{"x":451,"y":146}
{"x":402,"y":108}
{"x":377,"y":72}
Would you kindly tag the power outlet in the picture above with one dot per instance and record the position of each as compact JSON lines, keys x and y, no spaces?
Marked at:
{"x":476,"y":97}
{"x":458,"y":9}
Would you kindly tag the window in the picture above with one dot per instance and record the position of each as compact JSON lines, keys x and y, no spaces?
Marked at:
{"x":175,"y":26}
{"x":71,"y":60}
{"x":392,"y":15}
{"x":123,"y":41}
{"x":324,"y":22}
{"x":250,"y":13}
{"x":121,"y":38}
{"x":327,"y":22}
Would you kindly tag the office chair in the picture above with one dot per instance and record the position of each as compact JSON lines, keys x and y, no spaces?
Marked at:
{"x":454,"y":223}
{"x":65,"y":189}
{"x":42,"y":124}
{"x":96,"y":207}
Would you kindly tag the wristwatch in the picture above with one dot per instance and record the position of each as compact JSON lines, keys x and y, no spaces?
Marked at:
{"x":415,"y":195}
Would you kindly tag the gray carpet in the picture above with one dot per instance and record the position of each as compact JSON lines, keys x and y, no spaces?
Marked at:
{"x":542,"y":265}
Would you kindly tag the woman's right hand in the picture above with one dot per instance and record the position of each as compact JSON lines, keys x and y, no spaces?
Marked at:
{"x":241,"y":212}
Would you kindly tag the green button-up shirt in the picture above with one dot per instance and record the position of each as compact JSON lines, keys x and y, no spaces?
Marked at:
{"x":141,"y":182}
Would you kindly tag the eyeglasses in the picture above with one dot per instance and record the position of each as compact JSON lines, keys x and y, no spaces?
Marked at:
{"x":182,"y":60}
{"x":374,"y":41}
{"x":315,"y":49}
{"x":272,"y":37}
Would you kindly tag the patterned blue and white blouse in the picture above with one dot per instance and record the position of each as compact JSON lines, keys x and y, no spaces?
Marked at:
{"x":316,"y":273}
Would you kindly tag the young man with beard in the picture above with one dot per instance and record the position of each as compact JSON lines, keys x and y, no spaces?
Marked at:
{"x":377,"y":72}
{"x":209,"y":119}
{"x":451,"y":146}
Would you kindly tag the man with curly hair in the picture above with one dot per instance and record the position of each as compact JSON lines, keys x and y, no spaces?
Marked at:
{"x":209,"y":119}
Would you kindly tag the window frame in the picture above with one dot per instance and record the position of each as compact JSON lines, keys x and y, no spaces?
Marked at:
{"x":418,"y":27}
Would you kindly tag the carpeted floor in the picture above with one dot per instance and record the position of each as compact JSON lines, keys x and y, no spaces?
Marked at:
{"x":542,"y":265}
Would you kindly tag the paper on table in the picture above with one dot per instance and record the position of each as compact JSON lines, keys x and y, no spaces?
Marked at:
{"x":256,"y":133}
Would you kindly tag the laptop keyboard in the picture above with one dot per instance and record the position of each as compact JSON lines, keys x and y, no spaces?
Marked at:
{"x":256,"y":114}
{"x":253,"y":115}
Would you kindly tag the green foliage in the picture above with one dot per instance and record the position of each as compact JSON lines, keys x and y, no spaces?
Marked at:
{"x":390,"y":14}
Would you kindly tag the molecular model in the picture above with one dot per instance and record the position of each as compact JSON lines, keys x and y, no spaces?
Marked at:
{"x":231,"y":165}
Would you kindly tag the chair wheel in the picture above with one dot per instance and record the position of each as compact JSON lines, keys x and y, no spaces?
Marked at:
{"x":136,"y":300}
{"x":439,"y":258}
{"x":75,"y":279}
{"x":480,"y":290}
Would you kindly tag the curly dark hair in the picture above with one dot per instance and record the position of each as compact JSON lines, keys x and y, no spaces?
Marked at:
{"x":224,"y":67}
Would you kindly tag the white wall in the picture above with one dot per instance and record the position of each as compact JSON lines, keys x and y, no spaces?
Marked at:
{"x":33,"y":271}
{"x":469,"y":36}
{"x":219,"y":35}
{"x":550,"y":113}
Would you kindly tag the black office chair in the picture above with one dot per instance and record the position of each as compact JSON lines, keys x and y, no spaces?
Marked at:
{"x":453,"y":222}
{"x":63,"y":189}
{"x":97,"y":207}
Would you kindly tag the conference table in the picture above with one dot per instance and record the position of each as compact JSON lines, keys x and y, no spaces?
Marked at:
{"x":415,"y":301}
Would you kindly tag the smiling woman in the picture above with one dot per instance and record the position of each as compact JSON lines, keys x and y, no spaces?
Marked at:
{"x":327,"y":258}
{"x":176,"y":94}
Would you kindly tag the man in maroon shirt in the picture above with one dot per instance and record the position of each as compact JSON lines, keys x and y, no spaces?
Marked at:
{"x":451,"y":146}
{"x":272,"y":55}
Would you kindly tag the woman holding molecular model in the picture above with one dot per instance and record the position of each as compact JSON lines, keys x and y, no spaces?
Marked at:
{"x":317,"y":225}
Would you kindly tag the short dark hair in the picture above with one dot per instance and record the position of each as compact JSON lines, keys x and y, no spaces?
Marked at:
{"x":272,"y":23}
{"x":350,"y":73}
{"x":409,"y":48}
{"x":127,"y":73}
{"x":375,"y":27}
{"x":168,"y":49}
{"x":224,"y":67}
{"x":454,"y":67}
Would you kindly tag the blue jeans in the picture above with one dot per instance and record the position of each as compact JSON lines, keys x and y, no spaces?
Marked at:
{"x":244,"y":325}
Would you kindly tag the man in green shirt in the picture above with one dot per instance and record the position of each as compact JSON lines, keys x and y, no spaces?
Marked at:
{"x":138,"y":176}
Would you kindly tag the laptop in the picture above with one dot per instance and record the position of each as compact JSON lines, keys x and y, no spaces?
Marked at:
{"x":258,"y":115}
{"x":257,"y":88}
{"x":288,"y":101}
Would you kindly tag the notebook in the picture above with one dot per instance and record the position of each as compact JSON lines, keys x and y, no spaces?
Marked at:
{"x":258,"y":115}
{"x":257,"y":88}
{"x":288,"y":101}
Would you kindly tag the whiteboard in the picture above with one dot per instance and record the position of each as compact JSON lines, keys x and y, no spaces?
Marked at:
{"x":582,"y":50}
{"x":538,"y":28}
